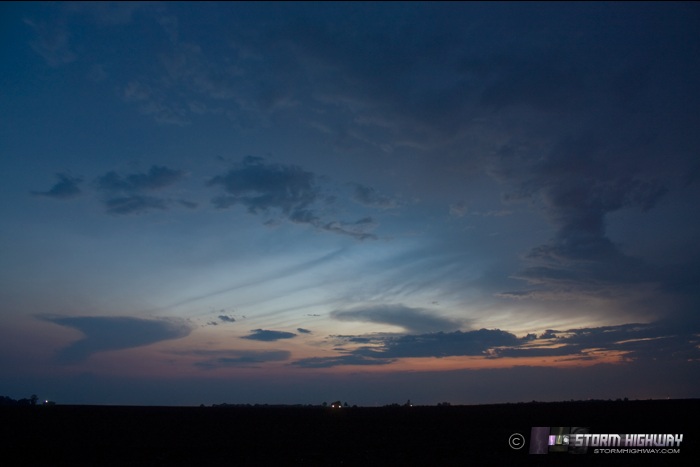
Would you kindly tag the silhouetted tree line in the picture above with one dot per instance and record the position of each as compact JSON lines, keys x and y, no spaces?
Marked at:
{"x":32,"y":400}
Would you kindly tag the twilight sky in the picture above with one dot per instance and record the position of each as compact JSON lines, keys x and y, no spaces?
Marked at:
{"x":298,"y":203}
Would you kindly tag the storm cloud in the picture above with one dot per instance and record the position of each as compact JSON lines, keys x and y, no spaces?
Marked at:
{"x":105,"y":333}
{"x":632,"y":342}
{"x":492,"y":185}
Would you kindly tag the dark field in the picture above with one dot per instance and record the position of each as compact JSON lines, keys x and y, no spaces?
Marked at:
{"x":271,"y":436}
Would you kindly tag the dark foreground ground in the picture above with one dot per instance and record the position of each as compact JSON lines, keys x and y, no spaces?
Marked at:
{"x":278,"y":436}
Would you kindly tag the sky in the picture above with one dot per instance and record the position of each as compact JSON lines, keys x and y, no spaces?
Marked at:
{"x":375,"y":202}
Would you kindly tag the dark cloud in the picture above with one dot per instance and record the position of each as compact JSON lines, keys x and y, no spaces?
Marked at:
{"x":103,"y":333}
{"x":411,"y":319}
{"x":153,"y":101}
{"x":603,"y":139}
{"x":286,"y":190}
{"x":578,"y":185}
{"x":268,"y":336}
{"x":125,"y":194}
{"x":303,"y":331}
{"x":357,"y":229}
{"x":441,"y":344}
{"x":562,"y":351}
{"x":133,"y":204}
{"x":227,"y":319}
{"x":578,"y":206}
{"x":156,"y":178}
{"x":654,"y":341}
{"x":223,"y":202}
{"x":459,"y":209}
{"x":52,"y":42}
{"x":385,"y":349}
{"x":188,"y":204}
{"x":327,"y":362}
{"x":239,"y":358}
{"x":66,"y":187}
{"x":368,"y":196}
{"x":261,"y":187}
{"x":657,"y":339}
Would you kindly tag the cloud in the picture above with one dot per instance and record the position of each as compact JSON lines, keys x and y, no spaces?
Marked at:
{"x":108,"y":13}
{"x":125,"y":194}
{"x":239,"y":358}
{"x":104,"y":333}
{"x":133,"y":204}
{"x":188,"y":204}
{"x":52,"y":43}
{"x":658,"y":340}
{"x":268,"y":336}
{"x":66,"y":188}
{"x":156,"y":178}
{"x":285,"y":190}
{"x":327,"y":362}
{"x":385,"y":349}
{"x":578,"y":185}
{"x":441,"y":344}
{"x":630,"y":342}
{"x":156,"y":103}
{"x":369,"y":197}
{"x":303,"y":331}
{"x":411,"y":319}
{"x":638,"y":341}
{"x":458,"y":209}
{"x":261,"y":187}
{"x":227,"y":319}
{"x":357,"y":229}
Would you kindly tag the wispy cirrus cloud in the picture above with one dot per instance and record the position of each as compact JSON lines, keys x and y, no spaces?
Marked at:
{"x":52,"y":42}
{"x":216,"y":359}
{"x":411,"y":319}
{"x":370,"y":197}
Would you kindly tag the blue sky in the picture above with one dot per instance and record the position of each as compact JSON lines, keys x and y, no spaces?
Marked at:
{"x":292,"y":203}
